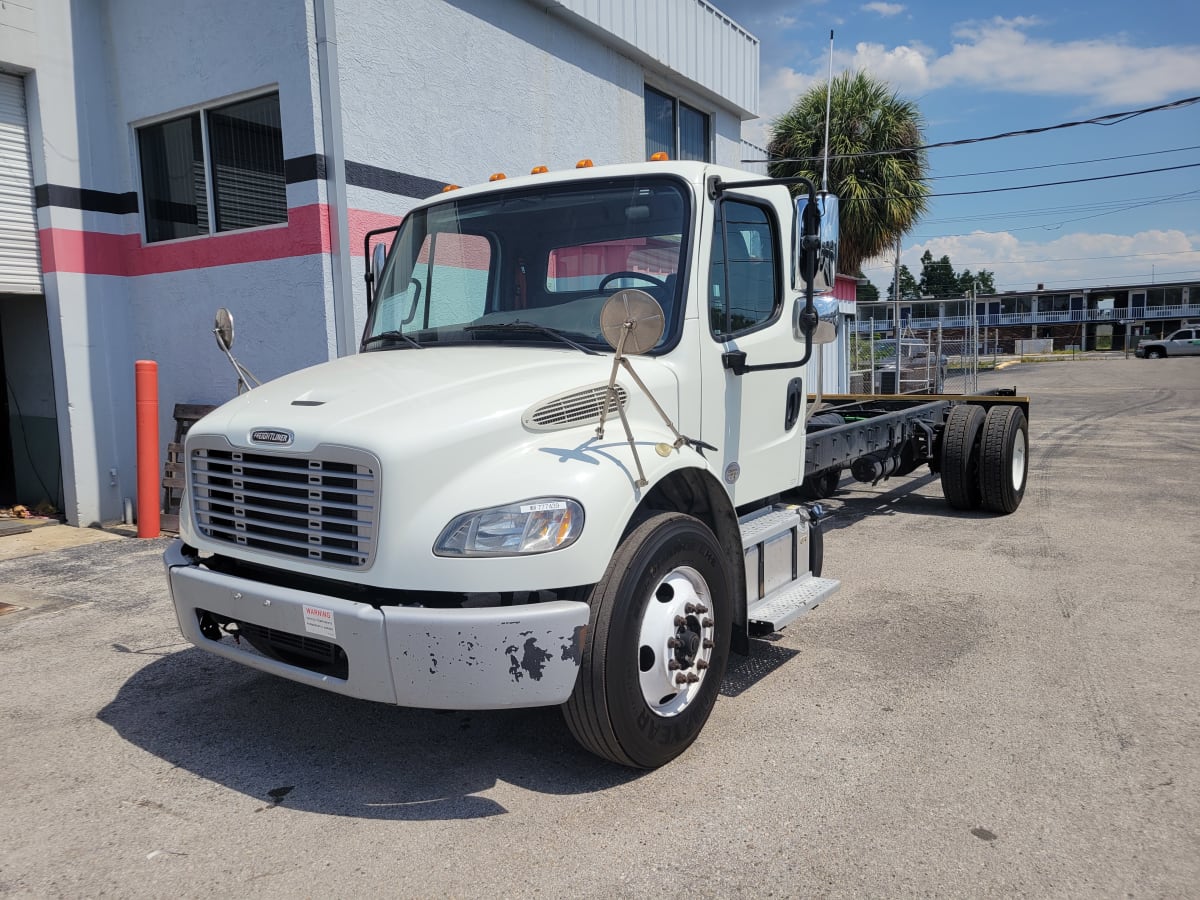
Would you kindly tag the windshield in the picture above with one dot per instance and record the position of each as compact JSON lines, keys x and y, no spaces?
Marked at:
{"x":477,"y":269}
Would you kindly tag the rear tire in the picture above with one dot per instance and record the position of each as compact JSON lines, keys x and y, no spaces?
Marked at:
{"x":821,"y":485}
{"x":645,"y":631}
{"x":1003,"y":459}
{"x":959,"y":462}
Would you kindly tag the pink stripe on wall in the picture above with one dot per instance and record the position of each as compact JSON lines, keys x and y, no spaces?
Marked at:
{"x":97,"y":253}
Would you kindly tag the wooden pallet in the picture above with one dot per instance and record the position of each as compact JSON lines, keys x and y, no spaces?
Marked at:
{"x":175,"y":469}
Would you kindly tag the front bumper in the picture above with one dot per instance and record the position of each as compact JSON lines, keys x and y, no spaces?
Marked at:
{"x":479,"y":658}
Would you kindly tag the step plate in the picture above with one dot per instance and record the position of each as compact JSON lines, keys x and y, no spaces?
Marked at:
{"x":763,"y":526}
{"x":789,"y":603}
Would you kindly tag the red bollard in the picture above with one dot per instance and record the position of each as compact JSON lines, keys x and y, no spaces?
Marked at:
{"x":148,"y":464}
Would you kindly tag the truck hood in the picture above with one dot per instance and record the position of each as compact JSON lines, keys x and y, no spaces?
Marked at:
{"x":434,"y":396}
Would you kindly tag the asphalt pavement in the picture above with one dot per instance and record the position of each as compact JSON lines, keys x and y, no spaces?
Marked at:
{"x":991,"y":706}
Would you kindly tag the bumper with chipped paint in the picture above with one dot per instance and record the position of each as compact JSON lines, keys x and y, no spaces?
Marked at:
{"x":479,"y":658}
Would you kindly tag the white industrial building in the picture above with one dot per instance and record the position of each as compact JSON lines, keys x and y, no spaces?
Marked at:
{"x":158,"y":160}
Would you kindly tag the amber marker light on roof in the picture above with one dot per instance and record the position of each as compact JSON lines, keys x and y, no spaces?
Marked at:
{"x":584,"y":164}
{"x":538,"y":170}
{"x":659,"y":156}
{"x":450,"y":187}
{"x":498,"y":176}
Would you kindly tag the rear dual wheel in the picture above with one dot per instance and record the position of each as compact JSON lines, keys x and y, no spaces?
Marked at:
{"x":658,"y":644}
{"x":984,"y":459}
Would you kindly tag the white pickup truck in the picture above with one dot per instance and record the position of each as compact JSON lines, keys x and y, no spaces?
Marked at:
{"x":556,"y":473}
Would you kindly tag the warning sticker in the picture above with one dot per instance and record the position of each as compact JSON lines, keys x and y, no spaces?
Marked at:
{"x":319,"y":621}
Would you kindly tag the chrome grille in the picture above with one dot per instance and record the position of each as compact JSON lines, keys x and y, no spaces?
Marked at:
{"x":321,"y":507}
{"x":572,"y":408}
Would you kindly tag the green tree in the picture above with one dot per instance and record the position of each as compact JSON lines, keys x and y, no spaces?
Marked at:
{"x":909,"y":289}
{"x":982,"y":282}
{"x":937,"y":277}
{"x":866,"y":292}
{"x":875,"y":169}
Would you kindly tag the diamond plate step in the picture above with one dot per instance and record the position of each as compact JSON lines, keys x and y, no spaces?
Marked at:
{"x":764,"y":525}
{"x":790,"y":602}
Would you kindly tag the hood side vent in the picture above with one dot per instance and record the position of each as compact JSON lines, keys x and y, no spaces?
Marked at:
{"x":578,"y":407}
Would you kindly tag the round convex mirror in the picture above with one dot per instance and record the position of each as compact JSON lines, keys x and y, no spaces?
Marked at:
{"x":635,"y":314}
{"x":223,"y":328}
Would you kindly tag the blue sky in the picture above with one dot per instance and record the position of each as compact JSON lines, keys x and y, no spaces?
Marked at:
{"x":978,"y":69}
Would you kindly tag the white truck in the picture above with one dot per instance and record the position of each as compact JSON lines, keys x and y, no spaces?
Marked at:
{"x":565,"y":466}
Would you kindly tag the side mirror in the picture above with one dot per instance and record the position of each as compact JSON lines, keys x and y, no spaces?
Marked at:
{"x":820,"y":261}
{"x":378,"y":258}
{"x":223,"y":329}
{"x":827,"y":321}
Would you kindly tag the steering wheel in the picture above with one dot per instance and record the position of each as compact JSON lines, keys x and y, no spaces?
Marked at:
{"x":614,"y":276}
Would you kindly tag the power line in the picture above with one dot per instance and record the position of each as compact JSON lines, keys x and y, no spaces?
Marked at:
{"x":1026,"y":187}
{"x":1105,"y":120}
{"x":1079,"y":162}
{"x":1050,"y":226}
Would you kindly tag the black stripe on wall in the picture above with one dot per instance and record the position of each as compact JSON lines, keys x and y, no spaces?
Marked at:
{"x":377,"y":179}
{"x":296,"y":171}
{"x":85,"y":199}
{"x":304,"y":168}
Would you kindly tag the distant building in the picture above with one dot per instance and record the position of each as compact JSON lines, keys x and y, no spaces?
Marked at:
{"x":1073,"y":317}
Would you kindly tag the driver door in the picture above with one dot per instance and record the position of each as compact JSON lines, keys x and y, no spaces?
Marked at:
{"x":759,"y":438}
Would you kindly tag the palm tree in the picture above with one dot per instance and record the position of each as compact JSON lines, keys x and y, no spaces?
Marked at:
{"x":882,"y":192}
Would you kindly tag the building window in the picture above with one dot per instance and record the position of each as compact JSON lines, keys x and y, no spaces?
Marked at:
{"x":673,"y":127}
{"x":219,"y":169}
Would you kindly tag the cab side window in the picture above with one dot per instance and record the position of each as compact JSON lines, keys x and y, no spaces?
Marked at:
{"x":744,"y":288}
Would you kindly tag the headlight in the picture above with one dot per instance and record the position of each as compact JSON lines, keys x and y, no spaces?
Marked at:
{"x":531,"y":526}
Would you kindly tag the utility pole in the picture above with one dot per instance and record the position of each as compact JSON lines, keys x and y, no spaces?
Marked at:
{"x":896,"y":314}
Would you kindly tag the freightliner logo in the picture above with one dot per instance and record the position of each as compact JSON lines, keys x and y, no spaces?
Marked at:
{"x":271,"y":436}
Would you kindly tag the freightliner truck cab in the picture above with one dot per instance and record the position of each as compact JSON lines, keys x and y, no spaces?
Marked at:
{"x":552,"y":474}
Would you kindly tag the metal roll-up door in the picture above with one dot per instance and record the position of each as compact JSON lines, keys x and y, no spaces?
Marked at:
{"x":20,"y":267}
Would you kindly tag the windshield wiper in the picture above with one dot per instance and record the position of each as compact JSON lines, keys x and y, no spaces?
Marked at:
{"x":394,"y":335}
{"x":532,"y":326}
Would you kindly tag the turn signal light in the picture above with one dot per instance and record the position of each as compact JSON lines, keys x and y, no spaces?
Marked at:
{"x":498,"y":176}
{"x":584,"y":164}
{"x":538,"y":170}
{"x":450,"y":187}
{"x":659,"y":156}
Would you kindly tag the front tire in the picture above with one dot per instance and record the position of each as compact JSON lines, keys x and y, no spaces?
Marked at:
{"x":1156,"y":353}
{"x":658,"y":644}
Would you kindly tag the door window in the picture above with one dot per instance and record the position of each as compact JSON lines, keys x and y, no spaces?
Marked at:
{"x":744,"y":284}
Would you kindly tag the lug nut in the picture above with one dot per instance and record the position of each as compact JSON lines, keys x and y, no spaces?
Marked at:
{"x":673,"y":665}
{"x":701,"y":608}
{"x":692,"y":677}
{"x":708,"y":645}
{"x":672,"y":643}
{"x":680,"y":621}
{"x":681,"y":678}
{"x":707,"y":623}
{"x":690,"y":608}
{"x":701,"y":664}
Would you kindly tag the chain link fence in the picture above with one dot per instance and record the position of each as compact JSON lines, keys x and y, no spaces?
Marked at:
{"x":937,"y":361}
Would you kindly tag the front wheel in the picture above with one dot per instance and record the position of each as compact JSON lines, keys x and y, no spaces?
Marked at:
{"x":658,"y":644}
{"x":1156,"y":353}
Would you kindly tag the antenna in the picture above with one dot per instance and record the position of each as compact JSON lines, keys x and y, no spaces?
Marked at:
{"x":828,"y":102}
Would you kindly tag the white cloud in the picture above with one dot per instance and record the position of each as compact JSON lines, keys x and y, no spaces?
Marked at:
{"x":884,"y":9}
{"x":1083,"y":259}
{"x":1000,"y":55}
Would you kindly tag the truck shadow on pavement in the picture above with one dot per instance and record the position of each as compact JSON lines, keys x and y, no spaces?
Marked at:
{"x":287,"y":744}
{"x":284,"y":743}
{"x":854,"y":502}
